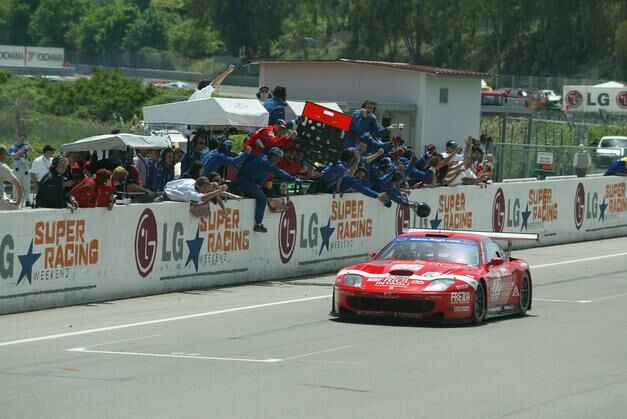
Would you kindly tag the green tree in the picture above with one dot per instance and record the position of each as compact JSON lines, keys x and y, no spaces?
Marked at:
{"x":189,"y":39}
{"x":248,"y":25}
{"x":15,"y":22}
{"x":149,"y":30}
{"x":52,"y":19}
{"x":102,"y":28}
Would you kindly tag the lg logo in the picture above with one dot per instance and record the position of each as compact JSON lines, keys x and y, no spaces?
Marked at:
{"x":146,"y":243}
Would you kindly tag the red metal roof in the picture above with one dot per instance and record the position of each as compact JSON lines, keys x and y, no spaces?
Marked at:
{"x":398,"y":66}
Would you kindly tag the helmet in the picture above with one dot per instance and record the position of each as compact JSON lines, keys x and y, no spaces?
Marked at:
{"x":422,"y":210}
{"x":385,"y":163}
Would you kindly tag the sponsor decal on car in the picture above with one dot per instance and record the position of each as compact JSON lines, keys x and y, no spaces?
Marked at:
{"x":407,"y":266}
{"x":461,"y":309}
{"x":460,"y":297}
{"x":393,"y":281}
{"x":462,"y":287}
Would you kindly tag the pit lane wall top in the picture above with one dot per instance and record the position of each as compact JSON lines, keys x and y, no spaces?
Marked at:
{"x":51,"y":258}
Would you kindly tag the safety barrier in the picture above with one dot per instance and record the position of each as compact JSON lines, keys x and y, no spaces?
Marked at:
{"x":51,"y":258}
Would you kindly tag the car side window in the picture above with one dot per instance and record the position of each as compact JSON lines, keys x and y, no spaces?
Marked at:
{"x":492,"y":250}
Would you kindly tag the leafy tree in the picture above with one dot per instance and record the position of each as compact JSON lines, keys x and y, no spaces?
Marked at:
{"x":149,"y":30}
{"x":52,"y":20}
{"x":103,"y":28}
{"x":250,"y":25}
{"x":189,"y":39}
{"x":15,"y":21}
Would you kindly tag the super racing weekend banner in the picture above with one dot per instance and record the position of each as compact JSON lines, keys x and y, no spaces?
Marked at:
{"x":54,"y":258}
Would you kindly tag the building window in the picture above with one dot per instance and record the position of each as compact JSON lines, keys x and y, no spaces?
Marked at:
{"x":443,"y":95}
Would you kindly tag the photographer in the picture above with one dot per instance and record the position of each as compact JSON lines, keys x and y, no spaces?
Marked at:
{"x":19,"y":153}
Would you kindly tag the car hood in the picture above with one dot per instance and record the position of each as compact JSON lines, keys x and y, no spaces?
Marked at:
{"x":412,"y":275}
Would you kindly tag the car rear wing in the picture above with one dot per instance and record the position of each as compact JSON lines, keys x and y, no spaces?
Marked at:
{"x":491,"y":234}
{"x":508,"y":237}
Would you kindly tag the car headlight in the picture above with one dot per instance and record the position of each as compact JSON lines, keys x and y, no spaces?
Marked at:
{"x":352,"y":280}
{"x":439,"y":284}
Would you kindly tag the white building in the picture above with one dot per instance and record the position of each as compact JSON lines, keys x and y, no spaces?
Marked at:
{"x":434,"y":104}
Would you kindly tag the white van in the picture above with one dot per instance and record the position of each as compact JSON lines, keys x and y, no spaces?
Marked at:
{"x":610,"y":148}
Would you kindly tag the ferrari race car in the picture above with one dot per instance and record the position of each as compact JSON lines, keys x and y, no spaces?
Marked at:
{"x":440,"y":275}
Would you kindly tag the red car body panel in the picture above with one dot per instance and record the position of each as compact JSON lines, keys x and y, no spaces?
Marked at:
{"x":396,"y":288}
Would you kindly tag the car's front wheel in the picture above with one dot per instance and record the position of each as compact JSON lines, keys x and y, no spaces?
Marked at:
{"x":524,"y":301}
{"x":480,"y":307}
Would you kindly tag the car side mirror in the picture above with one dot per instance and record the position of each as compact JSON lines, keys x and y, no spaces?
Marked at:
{"x":372,"y":254}
{"x":495,"y":262}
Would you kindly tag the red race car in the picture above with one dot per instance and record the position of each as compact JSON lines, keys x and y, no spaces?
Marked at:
{"x":438,"y":275}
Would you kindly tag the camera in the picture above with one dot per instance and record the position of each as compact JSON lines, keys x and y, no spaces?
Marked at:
{"x":401,"y":126}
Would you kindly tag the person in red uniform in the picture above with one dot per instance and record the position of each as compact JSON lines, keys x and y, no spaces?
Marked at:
{"x":94,"y":191}
{"x":271,"y":136}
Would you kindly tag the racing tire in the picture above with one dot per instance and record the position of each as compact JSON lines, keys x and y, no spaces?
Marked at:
{"x":480,"y":306}
{"x":333,"y":313}
{"x":524,"y":301}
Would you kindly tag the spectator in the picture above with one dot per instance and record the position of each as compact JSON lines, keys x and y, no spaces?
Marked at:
{"x":51,"y":193}
{"x":264,"y":94}
{"x":163,"y":172}
{"x":617,"y":168}
{"x":118,"y":179}
{"x":195,"y":150}
{"x":292,"y":164}
{"x":194,"y":172}
{"x":140,"y":161}
{"x":276,"y":104}
{"x":207,"y":87}
{"x":179,"y":154}
{"x":453,"y":149}
{"x":75,"y":172}
{"x":275,"y":135}
{"x":365,"y":124}
{"x":582,"y":161}
{"x":393,"y":190}
{"x":199,"y":192}
{"x":41,"y":165}
{"x":95,"y":191}
{"x":7,"y":176}
{"x":477,"y":160}
{"x":221,"y":156}
{"x":340,"y":176}
{"x":251,"y":176}
{"x":19,"y":154}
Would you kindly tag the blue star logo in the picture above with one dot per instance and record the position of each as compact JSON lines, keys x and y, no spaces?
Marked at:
{"x":194,"y":249}
{"x":525,"y":218}
{"x":435,"y":223}
{"x":602,"y":208}
{"x":27,"y":261}
{"x":326,"y":232}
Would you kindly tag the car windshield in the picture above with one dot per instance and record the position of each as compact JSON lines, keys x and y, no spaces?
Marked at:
{"x":614,"y":142}
{"x":432,"y":248}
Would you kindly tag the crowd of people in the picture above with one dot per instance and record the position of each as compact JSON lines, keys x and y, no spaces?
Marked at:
{"x":373,"y":162}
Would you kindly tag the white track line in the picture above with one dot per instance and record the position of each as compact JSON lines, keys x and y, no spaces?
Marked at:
{"x":212,"y":358}
{"x":563,"y":301}
{"x":566,"y":262}
{"x":319,"y":352}
{"x":157,"y":321}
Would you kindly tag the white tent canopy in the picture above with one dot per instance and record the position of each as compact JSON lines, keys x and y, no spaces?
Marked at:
{"x":610,"y":84}
{"x":215,"y":111}
{"x":116,"y":142}
{"x":220,"y":112}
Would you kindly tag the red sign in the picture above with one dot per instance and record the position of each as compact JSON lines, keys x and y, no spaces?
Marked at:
{"x":287,"y":233}
{"x":146,"y":243}
{"x":327,"y":116}
{"x":402,"y":219}
{"x":580,"y":202}
{"x":498,"y":211}
{"x":621,"y":100}
{"x":574,"y":98}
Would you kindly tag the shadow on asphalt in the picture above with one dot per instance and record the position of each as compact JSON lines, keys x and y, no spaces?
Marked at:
{"x":372,"y":321}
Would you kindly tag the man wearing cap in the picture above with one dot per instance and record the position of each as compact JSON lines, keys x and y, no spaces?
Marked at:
{"x":41,"y":165}
{"x":271,"y":136}
{"x":364,"y":124}
{"x":7,"y":176}
{"x":617,"y":168}
{"x":19,"y":154}
{"x":276,"y":104}
{"x":221,"y":156}
{"x":252,"y":175}
{"x":582,"y":161}
{"x":453,"y":149}
{"x":94,"y":191}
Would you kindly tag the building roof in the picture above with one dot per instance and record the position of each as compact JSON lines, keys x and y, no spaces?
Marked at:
{"x":398,"y":66}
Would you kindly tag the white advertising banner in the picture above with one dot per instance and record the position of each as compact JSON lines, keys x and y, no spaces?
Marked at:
{"x":591,"y":99}
{"x":12,"y":56}
{"x":51,"y":258}
{"x":44,"y":57}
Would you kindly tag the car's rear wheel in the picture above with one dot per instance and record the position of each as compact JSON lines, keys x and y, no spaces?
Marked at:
{"x":524,"y":301}
{"x":480,"y":307}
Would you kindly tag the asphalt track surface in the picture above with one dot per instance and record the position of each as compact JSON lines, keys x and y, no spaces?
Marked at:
{"x":269,"y":350}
